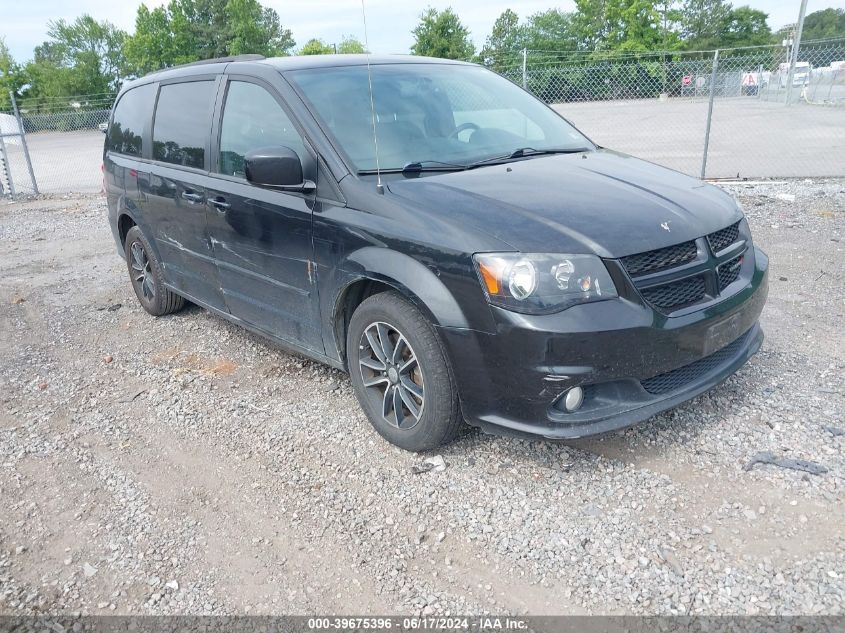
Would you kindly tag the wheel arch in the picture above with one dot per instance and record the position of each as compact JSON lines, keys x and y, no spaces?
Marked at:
{"x":124,"y":223}
{"x":373,"y":270}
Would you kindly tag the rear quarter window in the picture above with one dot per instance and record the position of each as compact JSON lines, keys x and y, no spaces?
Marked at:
{"x":126,"y":132}
{"x":182,"y":125}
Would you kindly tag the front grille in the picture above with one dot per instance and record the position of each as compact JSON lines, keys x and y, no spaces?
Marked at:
{"x":729,"y":272}
{"x":660,"y":259}
{"x":678,"y":378}
{"x":723,"y":238}
{"x":676,"y":294}
{"x":655,"y":274}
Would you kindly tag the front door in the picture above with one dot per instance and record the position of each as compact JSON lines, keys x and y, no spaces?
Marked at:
{"x":262,"y":237}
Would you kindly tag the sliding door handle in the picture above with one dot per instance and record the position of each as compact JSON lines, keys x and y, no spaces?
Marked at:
{"x":190,"y":196}
{"x":219,"y":203}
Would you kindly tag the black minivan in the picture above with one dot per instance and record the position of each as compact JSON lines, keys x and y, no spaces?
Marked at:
{"x":450,"y":241}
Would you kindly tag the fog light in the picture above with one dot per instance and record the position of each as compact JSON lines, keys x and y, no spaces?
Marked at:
{"x":573,"y":399}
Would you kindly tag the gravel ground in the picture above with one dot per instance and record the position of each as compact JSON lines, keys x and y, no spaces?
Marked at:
{"x":182,"y":465}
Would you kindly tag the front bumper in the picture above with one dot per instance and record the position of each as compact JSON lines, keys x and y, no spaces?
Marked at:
{"x":510,"y":380}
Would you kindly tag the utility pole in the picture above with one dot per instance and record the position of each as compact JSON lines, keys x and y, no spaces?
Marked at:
{"x":795,"y":49}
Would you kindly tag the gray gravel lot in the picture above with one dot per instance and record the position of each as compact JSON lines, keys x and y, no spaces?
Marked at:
{"x":182,"y":465}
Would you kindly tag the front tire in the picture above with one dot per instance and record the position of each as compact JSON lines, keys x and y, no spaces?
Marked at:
{"x":147,"y":278}
{"x":400,"y":374}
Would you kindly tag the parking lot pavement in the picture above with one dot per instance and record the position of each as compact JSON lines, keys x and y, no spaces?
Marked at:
{"x":62,"y":162}
{"x":182,"y":465}
{"x":749,"y":138}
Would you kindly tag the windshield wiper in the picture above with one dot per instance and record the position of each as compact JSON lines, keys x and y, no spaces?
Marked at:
{"x":527,"y":151}
{"x":419,"y":166}
{"x":416,"y":167}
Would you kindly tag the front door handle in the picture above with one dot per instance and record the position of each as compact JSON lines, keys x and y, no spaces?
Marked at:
{"x":219,"y":203}
{"x":190,"y":196}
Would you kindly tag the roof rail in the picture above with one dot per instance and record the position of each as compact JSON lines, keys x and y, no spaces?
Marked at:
{"x":215,"y":60}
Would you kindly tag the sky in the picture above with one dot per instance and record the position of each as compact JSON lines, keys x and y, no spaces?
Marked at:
{"x":24,"y":24}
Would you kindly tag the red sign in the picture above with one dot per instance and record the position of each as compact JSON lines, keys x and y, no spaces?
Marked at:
{"x":687,"y":80}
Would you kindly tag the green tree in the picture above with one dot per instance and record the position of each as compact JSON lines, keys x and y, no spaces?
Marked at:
{"x":703,"y":22}
{"x":316,"y":47}
{"x":83,"y":57}
{"x":190,"y":30}
{"x":550,"y":30}
{"x":550,"y":37}
{"x":441,"y":34}
{"x":152,"y":46}
{"x":589,"y":24}
{"x":257,"y":29}
{"x":670,"y":23}
{"x":745,"y":27}
{"x":709,"y":24}
{"x":201,"y":27}
{"x":610,"y":25}
{"x":85,"y":40}
{"x":247,"y":31}
{"x":824,"y":24}
{"x":642,"y":28}
{"x":12,"y":76}
{"x":506,"y":40}
{"x":50,"y":78}
{"x":351,"y":45}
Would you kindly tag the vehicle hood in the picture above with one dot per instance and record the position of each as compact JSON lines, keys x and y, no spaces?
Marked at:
{"x":600,"y":202}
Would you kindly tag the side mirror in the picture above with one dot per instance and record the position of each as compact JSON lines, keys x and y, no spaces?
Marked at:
{"x":278,"y":167}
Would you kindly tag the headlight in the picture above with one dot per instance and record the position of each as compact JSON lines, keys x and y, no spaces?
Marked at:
{"x":539,"y":283}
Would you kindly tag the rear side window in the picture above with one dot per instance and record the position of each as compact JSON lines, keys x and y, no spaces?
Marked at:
{"x":183,"y":122}
{"x":252,"y":119}
{"x":130,"y":115}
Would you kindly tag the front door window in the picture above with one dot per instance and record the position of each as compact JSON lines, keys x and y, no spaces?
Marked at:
{"x":252,"y":119}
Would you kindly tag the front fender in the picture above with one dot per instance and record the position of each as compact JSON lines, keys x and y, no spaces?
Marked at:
{"x":415,"y":280}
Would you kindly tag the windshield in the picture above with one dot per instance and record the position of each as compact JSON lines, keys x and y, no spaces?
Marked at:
{"x":442,"y":114}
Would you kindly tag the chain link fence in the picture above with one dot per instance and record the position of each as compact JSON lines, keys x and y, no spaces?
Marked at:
{"x":53,"y":145}
{"x":566,"y":77}
{"x":716,"y":114}
{"x":726,"y":114}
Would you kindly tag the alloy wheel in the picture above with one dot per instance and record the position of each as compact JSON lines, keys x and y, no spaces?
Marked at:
{"x":142,"y":274}
{"x":391,"y":374}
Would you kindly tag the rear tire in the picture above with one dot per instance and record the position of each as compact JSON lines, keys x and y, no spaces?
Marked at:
{"x":147,"y":278}
{"x":400,"y":374}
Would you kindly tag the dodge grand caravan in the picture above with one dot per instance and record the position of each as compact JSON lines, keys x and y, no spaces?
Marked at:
{"x":454,"y":244}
